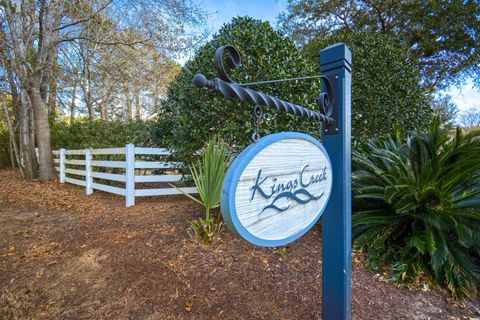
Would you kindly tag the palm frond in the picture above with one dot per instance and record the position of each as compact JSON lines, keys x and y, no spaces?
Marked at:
{"x":417,"y":205}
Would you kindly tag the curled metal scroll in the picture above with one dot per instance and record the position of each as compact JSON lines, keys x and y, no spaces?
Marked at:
{"x":232,"y":61}
{"x":232,"y":90}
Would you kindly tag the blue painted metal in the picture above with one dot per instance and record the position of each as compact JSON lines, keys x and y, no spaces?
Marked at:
{"x":230,"y":185}
{"x":336,"y":221}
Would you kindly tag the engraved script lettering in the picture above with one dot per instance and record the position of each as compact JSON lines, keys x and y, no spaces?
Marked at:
{"x":295,"y":189}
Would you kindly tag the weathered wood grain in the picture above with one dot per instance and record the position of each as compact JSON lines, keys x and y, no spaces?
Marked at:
{"x":280,"y":163}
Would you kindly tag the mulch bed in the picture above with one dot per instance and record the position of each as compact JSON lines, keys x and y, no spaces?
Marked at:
{"x":65,"y":255}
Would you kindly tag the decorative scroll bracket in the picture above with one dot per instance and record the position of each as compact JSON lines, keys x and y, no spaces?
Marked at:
{"x":330,"y":128}
{"x":232,"y":90}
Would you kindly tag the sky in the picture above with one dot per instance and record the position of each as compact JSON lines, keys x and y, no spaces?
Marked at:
{"x":221,"y":12}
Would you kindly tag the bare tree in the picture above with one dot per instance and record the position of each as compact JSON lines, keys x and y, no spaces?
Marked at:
{"x":38,"y":37}
{"x":444,"y":108}
{"x":470,"y":118}
{"x":32,"y":32}
{"x":21,"y":124}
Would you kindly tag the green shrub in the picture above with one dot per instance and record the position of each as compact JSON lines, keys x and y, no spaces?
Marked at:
{"x":208,"y":177}
{"x":4,"y":135}
{"x":416,"y":206}
{"x":386,"y":87}
{"x":4,"y":145}
{"x":105,"y":134}
{"x":192,"y":115}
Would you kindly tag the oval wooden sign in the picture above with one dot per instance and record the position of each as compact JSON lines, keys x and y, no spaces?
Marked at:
{"x":277,"y":189}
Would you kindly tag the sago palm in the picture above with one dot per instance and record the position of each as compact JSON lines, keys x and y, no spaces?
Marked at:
{"x":416,"y":206}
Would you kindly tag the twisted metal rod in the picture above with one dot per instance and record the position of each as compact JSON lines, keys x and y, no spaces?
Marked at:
{"x":232,"y":90}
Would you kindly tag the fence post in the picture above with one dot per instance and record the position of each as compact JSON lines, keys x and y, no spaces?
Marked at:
{"x":62,"y":165}
{"x":88,"y":172}
{"x":130,"y":175}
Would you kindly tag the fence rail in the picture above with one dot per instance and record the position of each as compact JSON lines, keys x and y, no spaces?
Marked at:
{"x":90,"y":173}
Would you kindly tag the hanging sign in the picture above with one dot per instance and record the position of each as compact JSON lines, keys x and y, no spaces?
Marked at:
{"x":277,"y":189}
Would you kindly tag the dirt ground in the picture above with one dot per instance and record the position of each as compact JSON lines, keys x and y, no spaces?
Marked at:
{"x":65,"y":255}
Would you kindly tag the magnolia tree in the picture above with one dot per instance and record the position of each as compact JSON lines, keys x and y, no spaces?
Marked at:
{"x":386,"y":90}
{"x":191,"y":115}
{"x":385,"y":94}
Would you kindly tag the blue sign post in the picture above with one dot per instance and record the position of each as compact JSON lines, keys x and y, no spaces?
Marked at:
{"x":336,"y":220}
{"x":247,"y":214}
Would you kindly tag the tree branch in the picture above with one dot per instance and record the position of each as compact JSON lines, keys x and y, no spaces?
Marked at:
{"x":114,"y":43}
{"x":71,"y":24}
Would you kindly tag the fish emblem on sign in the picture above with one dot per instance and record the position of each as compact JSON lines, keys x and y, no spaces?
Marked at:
{"x":277,"y":189}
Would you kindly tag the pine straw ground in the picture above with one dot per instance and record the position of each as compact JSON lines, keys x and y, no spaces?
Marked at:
{"x":65,"y":255}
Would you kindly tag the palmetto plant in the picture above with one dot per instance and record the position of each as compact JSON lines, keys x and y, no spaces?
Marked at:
{"x":208,"y":175}
{"x":417,"y":206}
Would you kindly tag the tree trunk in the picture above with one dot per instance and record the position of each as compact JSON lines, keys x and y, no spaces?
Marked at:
{"x":88,"y":93}
{"x":52,"y":94}
{"x":44,"y":84}
{"x":52,"y":99}
{"x":104,"y":111}
{"x":103,"y":103}
{"x":14,"y":154}
{"x":13,"y":92}
{"x":11,"y":151}
{"x":129,"y":106}
{"x":27,"y":146}
{"x":137,"y":105}
{"x":13,"y":143}
{"x":72,"y":104}
{"x":156,"y":104}
{"x":31,"y":130}
{"x":88,"y":102}
{"x":45,"y":157}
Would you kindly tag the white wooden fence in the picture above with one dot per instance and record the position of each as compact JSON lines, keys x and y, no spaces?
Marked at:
{"x":91,"y":171}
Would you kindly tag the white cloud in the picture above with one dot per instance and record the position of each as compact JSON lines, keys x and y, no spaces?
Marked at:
{"x":465,"y":97}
